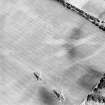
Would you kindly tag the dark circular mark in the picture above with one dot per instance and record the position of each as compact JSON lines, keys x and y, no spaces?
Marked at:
{"x":89,"y":80}
{"x":76,"y":34}
{"x":47,"y":97}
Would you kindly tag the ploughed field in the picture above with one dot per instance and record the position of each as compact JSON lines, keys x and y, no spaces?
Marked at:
{"x":48,"y":55}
